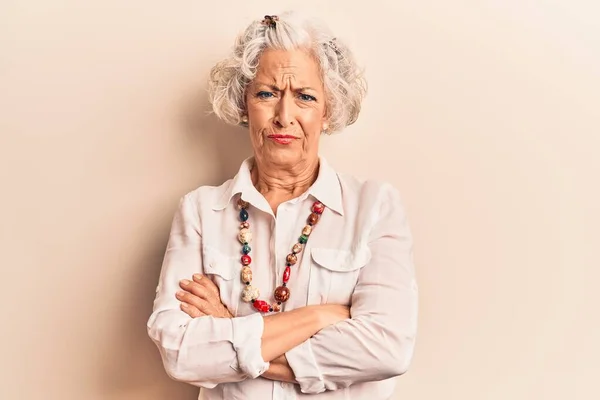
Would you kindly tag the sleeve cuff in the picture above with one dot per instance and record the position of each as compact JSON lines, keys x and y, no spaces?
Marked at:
{"x":247,"y":342}
{"x":302,"y":361}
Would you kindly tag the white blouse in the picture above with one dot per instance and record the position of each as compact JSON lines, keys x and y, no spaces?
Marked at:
{"x":359,"y":254}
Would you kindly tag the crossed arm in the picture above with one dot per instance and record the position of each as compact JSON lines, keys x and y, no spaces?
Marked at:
{"x":319,"y":346}
{"x":282,"y":332}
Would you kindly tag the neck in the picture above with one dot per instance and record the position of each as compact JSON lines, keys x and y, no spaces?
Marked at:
{"x":284,"y":183}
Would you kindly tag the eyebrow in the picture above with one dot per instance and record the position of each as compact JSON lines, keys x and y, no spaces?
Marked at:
{"x":277,"y":89}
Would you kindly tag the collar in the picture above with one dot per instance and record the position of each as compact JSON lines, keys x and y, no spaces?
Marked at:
{"x":326,"y":189}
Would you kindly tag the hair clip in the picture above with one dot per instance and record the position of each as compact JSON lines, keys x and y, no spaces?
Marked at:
{"x":332,"y":43}
{"x":270,"y":21}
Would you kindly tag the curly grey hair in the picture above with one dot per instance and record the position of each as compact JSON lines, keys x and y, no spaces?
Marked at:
{"x":343,"y":80}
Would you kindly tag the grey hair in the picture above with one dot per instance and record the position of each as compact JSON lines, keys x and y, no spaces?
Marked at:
{"x":344,"y":83}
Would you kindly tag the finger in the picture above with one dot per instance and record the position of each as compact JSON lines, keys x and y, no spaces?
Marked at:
{"x":206,"y":292}
{"x":195,"y":288}
{"x":191,"y":310}
{"x":208,"y":284}
{"x":193,"y":300}
{"x":218,"y":309}
{"x":207,"y":307}
{"x":203,"y":296}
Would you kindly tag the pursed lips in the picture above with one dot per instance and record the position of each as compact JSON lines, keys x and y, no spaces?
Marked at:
{"x":283,"y":136}
{"x":282,"y":139}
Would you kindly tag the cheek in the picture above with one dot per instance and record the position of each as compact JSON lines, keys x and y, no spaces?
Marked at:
{"x":257,"y":119}
{"x":260,"y":116}
{"x":312,"y":122}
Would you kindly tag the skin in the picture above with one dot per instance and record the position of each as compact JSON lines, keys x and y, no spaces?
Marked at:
{"x":286,"y":97}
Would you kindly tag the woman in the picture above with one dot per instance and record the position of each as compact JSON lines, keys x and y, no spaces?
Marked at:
{"x":290,"y":280}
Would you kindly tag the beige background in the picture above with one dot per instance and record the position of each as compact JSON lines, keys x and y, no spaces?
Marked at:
{"x":483,"y":113}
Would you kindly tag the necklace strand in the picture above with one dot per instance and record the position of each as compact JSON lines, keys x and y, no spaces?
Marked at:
{"x":282,"y":293}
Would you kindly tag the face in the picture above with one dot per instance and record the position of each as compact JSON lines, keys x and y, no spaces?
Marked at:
{"x":286,"y":108}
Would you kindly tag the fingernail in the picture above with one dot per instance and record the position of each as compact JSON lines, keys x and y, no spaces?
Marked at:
{"x":180,"y":293}
{"x":184,"y":305}
{"x":198,"y":276}
{"x":185,"y":282}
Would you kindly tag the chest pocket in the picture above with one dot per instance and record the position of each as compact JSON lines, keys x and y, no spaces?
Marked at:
{"x":224,"y":270}
{"x":334,"y":274}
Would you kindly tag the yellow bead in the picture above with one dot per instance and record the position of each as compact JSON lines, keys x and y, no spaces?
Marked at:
{"x":307,"y":230}
{"x":245,"y":235}
{"x":250,"y":293}
{"x":246,"y":274}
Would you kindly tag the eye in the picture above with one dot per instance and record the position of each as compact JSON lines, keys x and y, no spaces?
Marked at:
{"x":264,"y":95}
{"x":307,"y":97}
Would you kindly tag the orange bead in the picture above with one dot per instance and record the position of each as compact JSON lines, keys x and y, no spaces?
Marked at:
{"x":291,"y":259}
{"x":282,"y":293}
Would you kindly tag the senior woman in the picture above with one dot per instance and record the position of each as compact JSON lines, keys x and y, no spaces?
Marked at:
{"x":290,"y":280}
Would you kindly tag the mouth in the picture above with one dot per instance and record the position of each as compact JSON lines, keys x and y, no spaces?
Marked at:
{"x":282,"y":139}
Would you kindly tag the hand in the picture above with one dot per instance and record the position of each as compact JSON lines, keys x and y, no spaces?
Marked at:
{"x":280,"y":370}
{"x":201,"y":297}
{"x":281,"y":360}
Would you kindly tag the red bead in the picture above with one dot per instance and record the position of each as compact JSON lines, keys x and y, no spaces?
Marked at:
{"x":318,"y":207}
{"x":261,"y":305}
{"x":246,"y":260}
{"x":286,"y":274}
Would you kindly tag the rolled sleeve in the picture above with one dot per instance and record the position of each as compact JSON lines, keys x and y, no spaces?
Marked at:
{"x":204,"y":351}
{"x":302,"y":361}
{"x":247,"y":342}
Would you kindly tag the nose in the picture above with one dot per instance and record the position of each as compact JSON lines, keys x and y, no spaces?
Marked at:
{"x":284,"y":112}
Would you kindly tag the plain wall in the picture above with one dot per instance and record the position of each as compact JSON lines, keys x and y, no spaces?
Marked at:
{"x":484,"y":114}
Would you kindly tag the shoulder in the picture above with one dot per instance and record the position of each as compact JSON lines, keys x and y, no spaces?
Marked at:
{"x":372,"y":192}
{"x":207,"y":195}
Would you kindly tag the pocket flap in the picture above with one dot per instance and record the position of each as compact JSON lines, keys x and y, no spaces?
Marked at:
{"x":217,"y":263}
{"x":340,"y":260}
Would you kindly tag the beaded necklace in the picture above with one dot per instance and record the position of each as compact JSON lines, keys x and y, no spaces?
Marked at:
{"x":282,"y":293}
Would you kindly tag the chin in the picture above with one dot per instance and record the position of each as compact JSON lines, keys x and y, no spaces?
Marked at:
{"x":285,"y":156}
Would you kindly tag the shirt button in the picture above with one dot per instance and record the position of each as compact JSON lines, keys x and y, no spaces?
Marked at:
{"x":283,"y":385}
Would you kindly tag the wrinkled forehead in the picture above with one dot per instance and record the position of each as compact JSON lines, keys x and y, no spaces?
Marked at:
{"x":288,"y":67}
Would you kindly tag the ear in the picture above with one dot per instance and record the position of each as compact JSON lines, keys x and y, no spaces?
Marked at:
{"x":325,"y":120}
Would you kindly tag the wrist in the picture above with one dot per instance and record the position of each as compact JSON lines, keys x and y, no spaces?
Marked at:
{"x":281,"y":360}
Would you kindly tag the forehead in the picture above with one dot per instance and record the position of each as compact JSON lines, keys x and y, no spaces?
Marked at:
{"x":275,"y":66}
